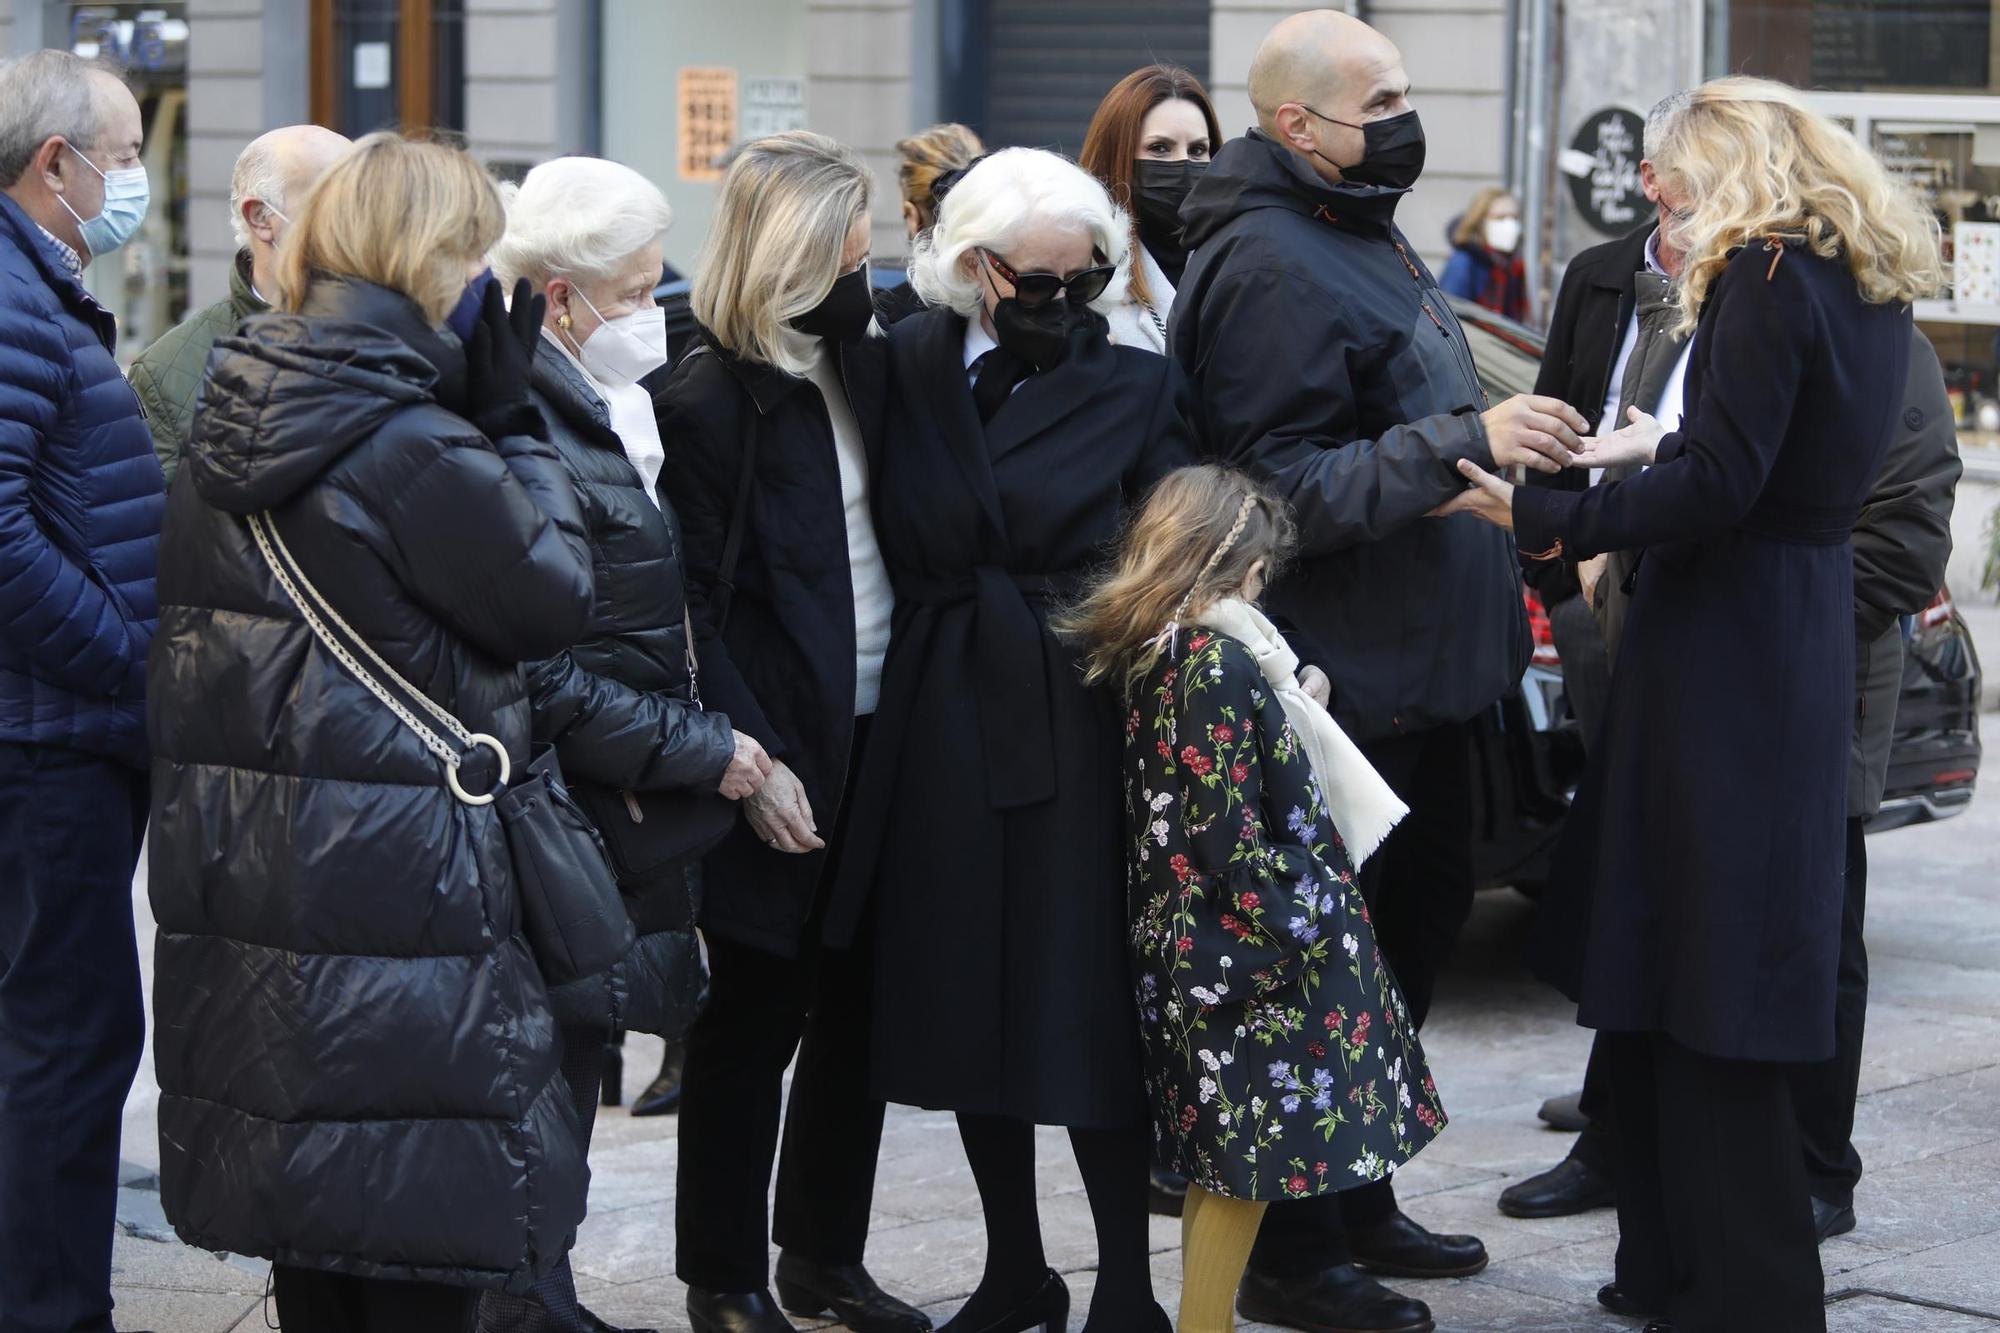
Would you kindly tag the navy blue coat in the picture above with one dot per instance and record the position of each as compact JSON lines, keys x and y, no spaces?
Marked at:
{"x":1697,"y":890}
{"x":81,"y":498}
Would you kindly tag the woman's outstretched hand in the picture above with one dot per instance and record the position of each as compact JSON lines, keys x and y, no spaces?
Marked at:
{"x":1632,"y":445}
{"x":1488,"y":497}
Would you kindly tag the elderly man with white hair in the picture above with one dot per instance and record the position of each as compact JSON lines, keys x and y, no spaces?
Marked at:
{"x":987,"y":838}
{"x":271,"y":179}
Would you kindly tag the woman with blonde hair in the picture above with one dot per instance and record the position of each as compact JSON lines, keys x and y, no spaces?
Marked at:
{"x":1281,"y":1062}
{"x":926,"y":165}
{"x":1695,"y":908}
{"x":1486,"y":264}
{"x":357,"y":1061}
{"x":771,"y":425}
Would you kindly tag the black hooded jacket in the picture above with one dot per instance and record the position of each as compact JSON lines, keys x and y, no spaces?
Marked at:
{"x":357,"y":1061}
{"x":1329,"y":365}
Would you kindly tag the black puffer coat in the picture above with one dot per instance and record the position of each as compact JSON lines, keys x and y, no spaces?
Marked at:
{"x":357,"y":1060}
{"x":619,"y":708}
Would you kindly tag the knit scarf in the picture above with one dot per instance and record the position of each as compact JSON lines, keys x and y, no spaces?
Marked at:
{"x":1363,"y":807}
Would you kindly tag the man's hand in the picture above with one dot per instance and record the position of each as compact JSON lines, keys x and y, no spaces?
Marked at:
{"x":1537,"y":432}
{"x":748,"y":768}
{"x":1587,"y":575}
{"x":780,"y":813}
{"x":1314,"y":682}
{"x":1632,"y":444}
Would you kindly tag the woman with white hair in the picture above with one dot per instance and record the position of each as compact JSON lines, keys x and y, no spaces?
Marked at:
{"x":1695,"y":910}
{"x":988,"y":846}
{"x":773,"y":422}
{"x":621,"y":705}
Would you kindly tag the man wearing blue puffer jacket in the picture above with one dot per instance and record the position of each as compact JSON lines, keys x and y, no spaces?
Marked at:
{"x":80,"y":505}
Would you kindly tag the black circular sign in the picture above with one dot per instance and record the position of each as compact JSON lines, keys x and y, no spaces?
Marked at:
{"x":1606,"y":187}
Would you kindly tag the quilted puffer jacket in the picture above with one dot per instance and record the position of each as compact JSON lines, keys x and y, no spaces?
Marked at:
{"x":619,"y":707}
{"x":358,"y":1065}
{"x":80,"y":504}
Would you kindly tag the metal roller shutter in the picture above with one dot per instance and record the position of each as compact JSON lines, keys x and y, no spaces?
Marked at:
{"x":1048,"y":65}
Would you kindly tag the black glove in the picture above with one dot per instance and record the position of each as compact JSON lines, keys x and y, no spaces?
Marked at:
{"x":498,"y":359}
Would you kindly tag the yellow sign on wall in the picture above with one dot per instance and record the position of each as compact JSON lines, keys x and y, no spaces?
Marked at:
{"x":708,"y":121}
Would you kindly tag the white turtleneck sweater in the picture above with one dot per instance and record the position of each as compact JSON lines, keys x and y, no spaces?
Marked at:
{"x":874,"y":599}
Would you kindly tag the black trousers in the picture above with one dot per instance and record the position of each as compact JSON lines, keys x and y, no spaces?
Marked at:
{"x":310,"y":1301}
{"x":1714,"y":1224}
{"x":71,"y":1027}
{"x":1419,"y":889}
{"x":1823,"y":1094}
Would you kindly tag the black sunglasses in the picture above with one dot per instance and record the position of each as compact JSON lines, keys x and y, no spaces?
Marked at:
{"x":1035,"y":290}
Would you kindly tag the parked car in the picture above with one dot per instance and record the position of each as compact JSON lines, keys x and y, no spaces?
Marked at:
{"x":1529,"y":756}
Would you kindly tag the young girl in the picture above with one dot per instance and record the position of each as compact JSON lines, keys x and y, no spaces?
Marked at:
{"x":1280,"y":1060}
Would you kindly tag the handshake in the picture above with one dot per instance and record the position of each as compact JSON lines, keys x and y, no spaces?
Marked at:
{"x":1547,"y":434}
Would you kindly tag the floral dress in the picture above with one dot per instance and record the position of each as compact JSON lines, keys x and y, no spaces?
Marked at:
{"x":1280,"y":1059}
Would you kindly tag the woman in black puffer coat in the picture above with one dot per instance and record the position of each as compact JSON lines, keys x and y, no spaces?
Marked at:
{"x":356,"y":1056}
{"x":621,"y":705}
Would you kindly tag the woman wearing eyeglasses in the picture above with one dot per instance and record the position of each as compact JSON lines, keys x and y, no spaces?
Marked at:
{"x":986,"y":838}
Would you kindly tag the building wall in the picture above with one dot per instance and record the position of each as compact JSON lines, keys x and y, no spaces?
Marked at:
{"x":859,"y":90}
{"x":1456,"y":52}
{"x":529,"y":66}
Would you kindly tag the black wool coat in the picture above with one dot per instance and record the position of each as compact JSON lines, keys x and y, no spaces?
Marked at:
{"x":989,"y":819}
{"x":619,"y":705}
{"x":357,"y":1059}
{"x":1329,"y":364}
{"x":783,"y":670}
{"x":1697,"y":889}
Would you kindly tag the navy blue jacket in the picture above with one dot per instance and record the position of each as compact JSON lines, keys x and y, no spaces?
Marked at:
{"x":81,"y":497}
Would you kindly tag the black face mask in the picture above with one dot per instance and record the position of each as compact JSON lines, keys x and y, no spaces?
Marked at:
{"x":1158,"y":191}
{"x":1392,"y":152}
{"x":1043,"y":337}
{"x":844,"y":314}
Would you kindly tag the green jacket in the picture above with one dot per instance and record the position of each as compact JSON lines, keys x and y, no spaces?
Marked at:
{"x":167,"y":375}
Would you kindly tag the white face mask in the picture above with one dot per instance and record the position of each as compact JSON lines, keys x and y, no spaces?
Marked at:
{"x":626,"y":349}
{"x":1503,"y":234}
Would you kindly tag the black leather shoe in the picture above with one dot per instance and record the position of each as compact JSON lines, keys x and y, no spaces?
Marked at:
{"x":1564,"y":1113}
{"x":663,"y":1095}
{"x":1830,"y":1220}
{"x":1339,"y":1299}
{"x":1399,"y":1247}
{"x":808,"y":1289}
{"x":1047,"y":1310}
{"x":735,"y":1312}
{"x":1614,"y":1298}
{"x":596,"y":1325}
{"x":1166,"y":1193}
{"x":1564,"y":1190}
{"x":1659,"y":1326}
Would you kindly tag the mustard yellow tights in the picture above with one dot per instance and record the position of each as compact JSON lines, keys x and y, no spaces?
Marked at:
{"x":1216,"y":1236}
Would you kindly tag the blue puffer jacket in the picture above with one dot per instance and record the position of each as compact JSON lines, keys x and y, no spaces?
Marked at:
{"x":81,"y":497}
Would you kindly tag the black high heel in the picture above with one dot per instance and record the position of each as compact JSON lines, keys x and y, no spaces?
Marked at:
{"x":1047,"y":1311}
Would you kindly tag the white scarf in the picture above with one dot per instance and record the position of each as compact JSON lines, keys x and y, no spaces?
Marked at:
{"x":1363,"y":807}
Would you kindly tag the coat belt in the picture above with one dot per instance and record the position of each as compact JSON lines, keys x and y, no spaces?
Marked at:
{"x":1010,"y":673}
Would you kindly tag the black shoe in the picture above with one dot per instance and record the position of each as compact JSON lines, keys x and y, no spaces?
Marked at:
{"x":596,"y":1325}
{"x":1830,"y":1220}
{"x":1166,"y":1193}
{"x":735,"y":1312}
{"x":1339,"y":1299}
{"x":1564,"y":1190}
{"x":1399,"y":1247}
{"x":1614,"y":1298}
{"x":808,"y":1289}
{"x":1564,"y":1113}
{"x":1046,"y":1310}
{"x":663,"y":1095}
{"x":1659,"y":1326}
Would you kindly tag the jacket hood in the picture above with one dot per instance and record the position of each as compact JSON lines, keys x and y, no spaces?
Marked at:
{"x":288,"y":394}
{"x":1256,"y":171}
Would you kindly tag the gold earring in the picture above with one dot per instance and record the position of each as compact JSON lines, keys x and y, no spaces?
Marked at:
{"x":562,"y":322}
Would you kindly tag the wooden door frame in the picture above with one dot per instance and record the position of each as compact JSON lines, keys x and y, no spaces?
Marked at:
{"x":415,"y":69}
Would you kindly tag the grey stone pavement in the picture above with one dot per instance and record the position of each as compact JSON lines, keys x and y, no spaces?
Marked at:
{"x":1926,"y":1255}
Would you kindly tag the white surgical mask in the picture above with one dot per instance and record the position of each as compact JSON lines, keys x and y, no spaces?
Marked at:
{"x":127,"y":194}
{"x":1503,"y":234}
{"x":626,"y":349}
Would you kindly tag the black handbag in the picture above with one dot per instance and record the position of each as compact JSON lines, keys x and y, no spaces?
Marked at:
{"x":571,"y":913}
{"x":646,"y":831}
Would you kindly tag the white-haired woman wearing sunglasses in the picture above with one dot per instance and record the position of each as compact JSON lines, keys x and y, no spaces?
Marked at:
{"x":986,"y":839}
